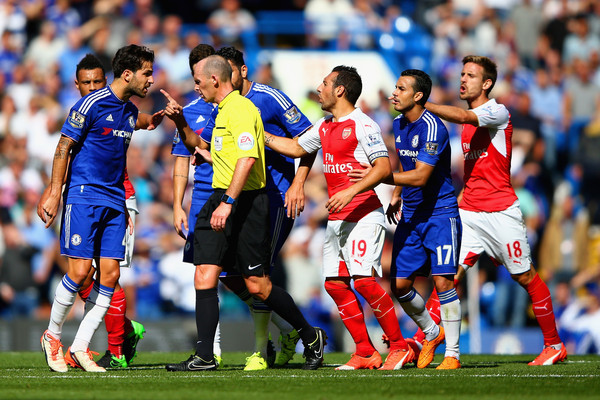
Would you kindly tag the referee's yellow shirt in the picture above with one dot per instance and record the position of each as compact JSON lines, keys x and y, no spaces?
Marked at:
{"x":238,"y":133}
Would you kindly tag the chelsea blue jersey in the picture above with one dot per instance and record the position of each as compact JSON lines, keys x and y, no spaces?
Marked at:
{"x":102,"y":125}
{"x":426,"y":140}
{"x":197,"y":114}
{"x":280,"y":117}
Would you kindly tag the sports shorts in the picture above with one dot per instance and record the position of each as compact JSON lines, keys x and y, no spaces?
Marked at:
{"x":89,"y":232}
{"x":245,"y":243}
{"x":426,"y":246}
{"x":199,"y":198}
{"x":501,"y":234}
{"x":354,"y":248}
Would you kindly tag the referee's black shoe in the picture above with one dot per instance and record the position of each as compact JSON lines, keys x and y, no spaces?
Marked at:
{"x":313,"y":352}
{"x":193,"y":363}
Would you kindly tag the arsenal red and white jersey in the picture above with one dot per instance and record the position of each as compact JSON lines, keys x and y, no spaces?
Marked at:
{"x":488,"y":150}
{"x":346,"y":143}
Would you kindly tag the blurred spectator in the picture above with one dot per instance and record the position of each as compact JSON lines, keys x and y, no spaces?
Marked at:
{"x":326,"y":19}
{"x":580,"y":103}
{"x":527,"y":20}
{"x":43,"y":52}
{"x":580,"y":43}
{"x":581,"y":319}
{"x":229,"y":22}
{"x":9,"y":58}
{"x":70,"y":56}
{"x":63,"y":16}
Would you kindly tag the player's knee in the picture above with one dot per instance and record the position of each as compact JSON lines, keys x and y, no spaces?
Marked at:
{"x":401,"y":287}
{"x":525,"y":278}
{"x":259,"y":287}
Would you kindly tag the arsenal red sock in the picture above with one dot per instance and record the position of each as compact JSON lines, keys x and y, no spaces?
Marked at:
{"x":383,"y":308}
{"x":85,"y":293}
{"x":542,"y":308}
{"x":116,"y":323}
{"x":433,"y":306}
{"x":352,"y":316}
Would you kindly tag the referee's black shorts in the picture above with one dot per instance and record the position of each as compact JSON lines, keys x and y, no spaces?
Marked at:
{"x":244,"y":246}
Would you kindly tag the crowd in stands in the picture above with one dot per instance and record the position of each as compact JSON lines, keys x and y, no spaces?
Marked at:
{"x":548,"y":54}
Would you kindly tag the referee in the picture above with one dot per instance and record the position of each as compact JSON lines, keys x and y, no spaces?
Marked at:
{"x":232,"y":229}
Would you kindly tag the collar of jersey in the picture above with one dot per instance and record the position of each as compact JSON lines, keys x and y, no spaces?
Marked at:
{"x":231,"y":95}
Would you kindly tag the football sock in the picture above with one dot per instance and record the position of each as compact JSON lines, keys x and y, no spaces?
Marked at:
{"x":284,"y":327}
{"x":433,"y":306}
{"x":451,"y":318}
{"x":282,"y":303}
{"x":85,"y":293}
{"x":117,"y":323}
{"x":207,"y":318}
{"x":217,"y":341}
{"x":543,"y":310}
{"x":383,"y":308}
{"x":352,"y":316}
{"x":261,"y":314}
{"x":100,"y":298}
{"x":413,"y":305}
{"x":63,"y":301}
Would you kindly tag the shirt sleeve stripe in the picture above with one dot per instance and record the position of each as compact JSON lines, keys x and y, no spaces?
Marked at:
{"x":87,"y":104}
{"x":431,"y":128}
{"x":275,"y":94}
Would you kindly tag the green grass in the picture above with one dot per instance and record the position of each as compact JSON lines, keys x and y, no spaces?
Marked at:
{"x":26,"y":376}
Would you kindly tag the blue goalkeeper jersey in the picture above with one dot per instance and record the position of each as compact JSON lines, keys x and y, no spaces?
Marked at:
{"x":426,"y":140}
{"x":280,"y":117}
{"x":102,"y":125}
{"x":197,"y":114}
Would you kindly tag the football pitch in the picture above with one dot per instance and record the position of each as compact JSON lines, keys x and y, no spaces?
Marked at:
{"x":26,"y":376}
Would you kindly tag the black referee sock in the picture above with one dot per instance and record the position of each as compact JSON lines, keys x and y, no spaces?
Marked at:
{"x":282,"y":303}
{"x":207,"y":318}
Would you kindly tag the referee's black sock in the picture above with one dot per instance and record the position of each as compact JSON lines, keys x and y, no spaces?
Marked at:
{"x":207,"y":318}
{"x":282,"y":303}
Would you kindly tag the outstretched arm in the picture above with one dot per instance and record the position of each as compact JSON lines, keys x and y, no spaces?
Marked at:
{"x":175,"y":112}
{"x":149,"y":122}
{"x":294,"y":197}
{"x":453,"y":114}
{"x":286,"y":146}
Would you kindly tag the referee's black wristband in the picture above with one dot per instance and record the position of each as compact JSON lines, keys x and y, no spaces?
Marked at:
{"x":227,"y":199}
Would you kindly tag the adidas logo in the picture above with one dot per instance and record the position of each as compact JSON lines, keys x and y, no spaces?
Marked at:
{"x":110,"y":118}
{"x":200,"y":119}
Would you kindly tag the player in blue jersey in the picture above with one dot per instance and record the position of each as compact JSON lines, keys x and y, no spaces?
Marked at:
{"x":285,"y":188}
{"x":94,"y":217}
{"x":424,"y":206}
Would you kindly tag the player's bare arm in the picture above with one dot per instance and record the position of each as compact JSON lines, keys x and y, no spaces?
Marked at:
{"x":174,"y":111}
{"x":240,"y":176}
{"x":381,"y":169}
{"x":453,"y":114}
{"x":294,"y":197}
{"x":417,"y":177}
{"x":393,"y":210}
{"x":59,"y":167}
{"x":149,"y":122}
{"x":181,"y":170}
{"x":286,"y":146}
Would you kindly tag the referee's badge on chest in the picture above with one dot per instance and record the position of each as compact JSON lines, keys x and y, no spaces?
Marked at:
{"x":218,"y":143}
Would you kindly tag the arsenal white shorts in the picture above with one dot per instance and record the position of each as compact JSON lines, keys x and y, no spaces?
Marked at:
{"x":354,"y":248}
{"x":128,"y":239}
{"x":501,"y":234}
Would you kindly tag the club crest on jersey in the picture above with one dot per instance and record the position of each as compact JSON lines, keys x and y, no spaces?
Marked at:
{"x":131,"y":122}
{"x":292,"y":115}
{"x":245,"y":141}
{"x":415,"y":141}
{"x":76,"y":119}
{"x":431,"y":148}
{"x":75,"y":240}
{"x":218,"y":143}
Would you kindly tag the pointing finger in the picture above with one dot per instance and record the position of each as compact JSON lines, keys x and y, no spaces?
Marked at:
{"x":167,"y":95}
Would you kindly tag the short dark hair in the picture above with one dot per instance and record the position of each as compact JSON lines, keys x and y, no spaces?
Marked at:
{"x":422,"y":83}
{"x":199,"y":53}
{"x":350,"y":80}
{"x":131,"y":57}
{"x":490,"y":70}
{"x":232,"y":54}
{"x":218,"y":66}
{"x":87,"y":63}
